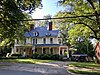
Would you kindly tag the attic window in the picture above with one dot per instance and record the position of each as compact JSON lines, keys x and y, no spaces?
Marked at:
{"x":36,"y":34}
{"x":48,"y":34}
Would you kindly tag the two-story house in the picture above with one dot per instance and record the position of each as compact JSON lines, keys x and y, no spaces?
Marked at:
{"x":41,"y":40}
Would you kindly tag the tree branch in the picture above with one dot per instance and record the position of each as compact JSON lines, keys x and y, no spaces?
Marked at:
{"x":95,"y":11}
{"x":85,"y":16}
{"x":90,"y":18}
{"x":88,"y":27}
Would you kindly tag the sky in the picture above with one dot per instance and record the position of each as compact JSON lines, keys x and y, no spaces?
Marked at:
{"x":49,"y":7}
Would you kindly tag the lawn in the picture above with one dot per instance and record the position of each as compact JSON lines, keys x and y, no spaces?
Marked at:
{"x":89,"y":68}
{"x":31,"y":61}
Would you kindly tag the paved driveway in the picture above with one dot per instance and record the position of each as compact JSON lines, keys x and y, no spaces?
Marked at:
{"x":15,"y":72}
{"x":54,"y":68}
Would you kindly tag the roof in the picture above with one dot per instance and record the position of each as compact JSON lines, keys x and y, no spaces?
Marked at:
{"x":42,"y":32}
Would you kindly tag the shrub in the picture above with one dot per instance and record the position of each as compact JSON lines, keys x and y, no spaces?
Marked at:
{"x":47,"y":56}
{"x":35,"y":56}
{"x":55,"y":57}
{"x":17,"y":55}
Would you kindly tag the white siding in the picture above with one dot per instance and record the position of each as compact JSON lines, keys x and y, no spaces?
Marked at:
{"x":39,"y":40}
{"x":47,"y":40}
{"x":55,"y":41}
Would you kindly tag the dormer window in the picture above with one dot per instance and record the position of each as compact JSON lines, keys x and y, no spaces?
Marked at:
{"x":48,"y":34}
{"x":36,"y":33}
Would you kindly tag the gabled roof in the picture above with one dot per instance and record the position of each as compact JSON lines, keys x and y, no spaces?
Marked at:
{"x":42,"y":32}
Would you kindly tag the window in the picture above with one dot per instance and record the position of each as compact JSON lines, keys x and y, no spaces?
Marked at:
{"x":60,"y":42}
{"x":44,"y":40}
{"x":34,"y":41}
{"x":48,"y":34}
{"x":51,"y":40}
{"x":36,"y":33}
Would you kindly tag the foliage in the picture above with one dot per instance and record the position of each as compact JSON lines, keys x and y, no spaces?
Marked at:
{"x":18,"y":55}
{"x":12,"y":12}
{"x":5,"y":50}
{"x":81,"y":24}
{"x":47,"y":56}
{"x":85,"y":12}
{"x":85,"y":47}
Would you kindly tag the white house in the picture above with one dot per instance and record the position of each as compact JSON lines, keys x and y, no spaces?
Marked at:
{"x":41,"y":40}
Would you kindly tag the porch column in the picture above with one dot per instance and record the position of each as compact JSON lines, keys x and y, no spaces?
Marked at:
{"x":59,"y":50}
{"x":42,"y":50}
{"x":49,"y":50}
{"x":62,"y":51}
{"x":14,"y":50}
{"x":33,"y":49}
{"x":67,"y":52}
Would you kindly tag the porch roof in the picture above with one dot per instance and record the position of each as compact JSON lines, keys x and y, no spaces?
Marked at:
{"x":46,"y":45}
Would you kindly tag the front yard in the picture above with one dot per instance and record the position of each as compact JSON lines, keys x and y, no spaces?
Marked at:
{"x":89,"y":68}
{"x":31,"y":61}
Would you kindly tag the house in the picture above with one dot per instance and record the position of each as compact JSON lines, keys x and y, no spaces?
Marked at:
{"x":97,"y":50}
{"x":41,"y":40}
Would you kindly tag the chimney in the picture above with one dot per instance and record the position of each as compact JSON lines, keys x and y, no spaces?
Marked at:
{"x":50,"y":25}
{"x":31,"y":27}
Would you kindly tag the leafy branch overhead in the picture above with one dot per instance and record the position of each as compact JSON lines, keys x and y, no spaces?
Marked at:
{"x":15,"y":10}
{"x":83,"y":7}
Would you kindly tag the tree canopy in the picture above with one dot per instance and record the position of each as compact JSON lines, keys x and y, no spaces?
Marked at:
{"x":85,"y":12}
{"x":11,"y":14}
{"x":81,"y":23}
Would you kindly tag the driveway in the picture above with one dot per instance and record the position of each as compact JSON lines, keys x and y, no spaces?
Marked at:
{"x":53,"y":68}
{"x":15,"y":72}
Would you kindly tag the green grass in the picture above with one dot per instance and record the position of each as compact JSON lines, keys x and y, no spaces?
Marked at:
{"x":88,"y":65}
{"x":85,"y":72}
{"x":32,"y":61}
{"x":85,"y":64}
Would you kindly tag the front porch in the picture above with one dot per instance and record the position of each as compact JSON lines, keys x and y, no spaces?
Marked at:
{"x":51,"y":50}
{"x":25,"y":51}
{"x":28,"y":51}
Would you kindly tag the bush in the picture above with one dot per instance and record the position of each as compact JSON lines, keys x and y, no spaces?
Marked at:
{"x":16,"y":55}
{"x":47,"y":56}
{"x":35,"y":56}
{"x":55,"y":57}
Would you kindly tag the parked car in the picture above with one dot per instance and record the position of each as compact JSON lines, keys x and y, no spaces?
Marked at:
{"x":79,"y":57}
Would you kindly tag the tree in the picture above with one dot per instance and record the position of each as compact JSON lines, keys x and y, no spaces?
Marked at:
{"x":85,"y":12}
{"x":12,"y":12}
{"x":82,"y":22}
